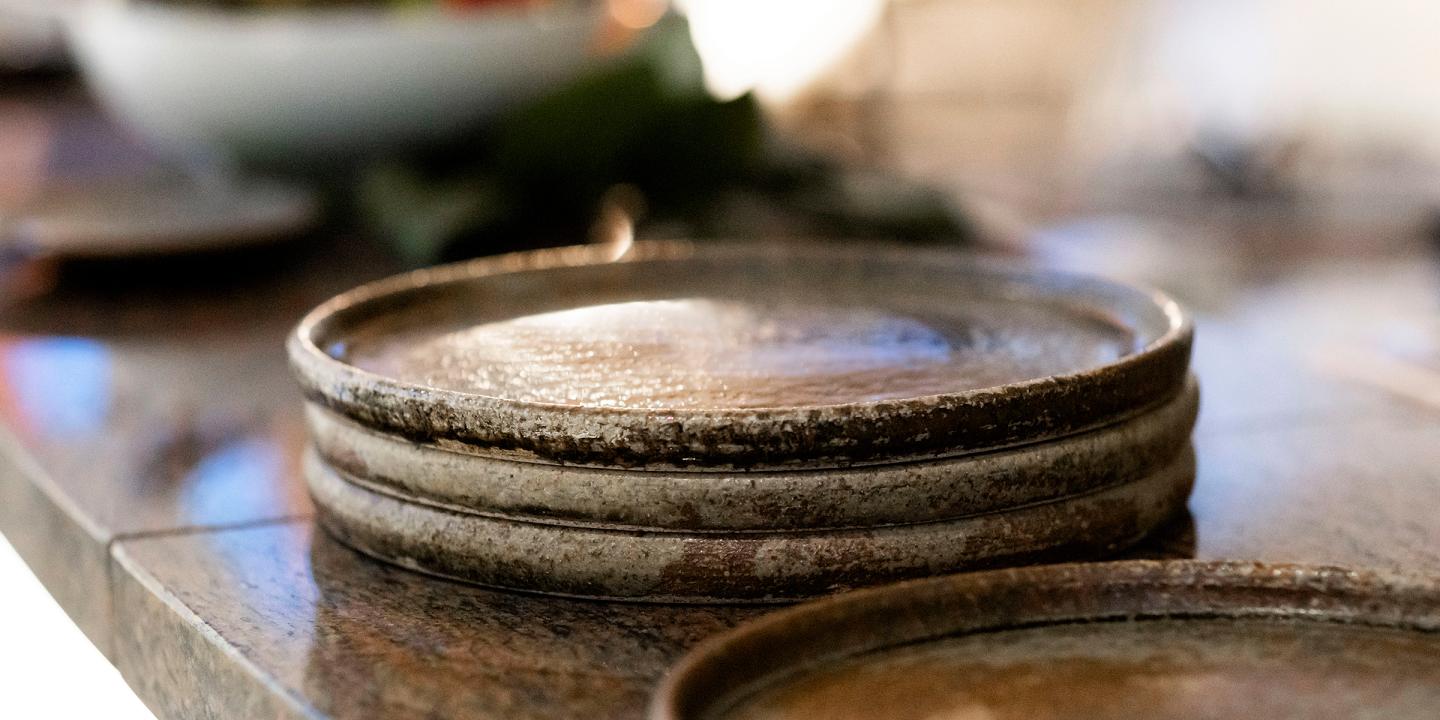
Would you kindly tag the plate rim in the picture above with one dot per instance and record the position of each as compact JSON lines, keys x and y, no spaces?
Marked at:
{"x":1056,"y":595}
{"x":720,"y":502}
{"x":921,"y":427}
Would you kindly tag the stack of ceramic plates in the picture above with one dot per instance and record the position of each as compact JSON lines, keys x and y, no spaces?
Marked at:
{"x":742,"y":422}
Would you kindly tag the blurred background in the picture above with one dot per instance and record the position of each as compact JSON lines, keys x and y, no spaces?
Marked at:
{"x":184,"y":149}
{"x":1204,"y":146}
{"x":453,"y":128}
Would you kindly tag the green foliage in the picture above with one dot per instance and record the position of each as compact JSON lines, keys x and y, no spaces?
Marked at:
{"x":537,"y":175}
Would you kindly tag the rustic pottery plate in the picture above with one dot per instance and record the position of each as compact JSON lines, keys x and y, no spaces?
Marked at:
{"x":722,"y":566}
{"x":157,"y":217}
{"x":1180,"y":640}
{"x":749,"y":356}
{"x":861,"y":496}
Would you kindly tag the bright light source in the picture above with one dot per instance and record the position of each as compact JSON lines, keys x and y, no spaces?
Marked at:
{"x":774,"y":48}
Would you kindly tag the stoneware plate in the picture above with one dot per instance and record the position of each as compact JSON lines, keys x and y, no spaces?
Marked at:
{"x":734,"y":566}
{"x":1180,"y":640}
{"x":158,"y":217}
{"x":716,"y":356}
{"x":862,"y":496}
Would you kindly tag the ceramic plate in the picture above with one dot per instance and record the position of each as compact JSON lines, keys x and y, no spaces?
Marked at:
{"x":155,"y":217}
{"x":863,"y":496}
{"x":1179,"y":640}
{"x":504,"y":552}
{"x":715,"y":357}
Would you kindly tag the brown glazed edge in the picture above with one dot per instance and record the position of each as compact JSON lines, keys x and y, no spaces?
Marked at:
{"x":781,"y":438}
{"x":864,"y":496}
{"x":738,"y":567}
{"x":723,"y":670}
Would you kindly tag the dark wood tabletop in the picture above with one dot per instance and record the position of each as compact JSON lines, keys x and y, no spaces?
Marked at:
{"x":150,"y":436}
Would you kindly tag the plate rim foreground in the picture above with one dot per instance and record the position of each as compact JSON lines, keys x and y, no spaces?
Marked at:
{"x":720,"y":672}
{"x":895,"y":430}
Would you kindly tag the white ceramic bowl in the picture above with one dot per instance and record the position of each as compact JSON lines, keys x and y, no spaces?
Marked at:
{"x":321,"y":83}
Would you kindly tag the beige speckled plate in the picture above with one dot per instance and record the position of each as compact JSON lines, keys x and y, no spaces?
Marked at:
{"x":719,"y":357}
{"x":734,"y":566}
{"x":1179,"y":640}
{"x":861,"y":496}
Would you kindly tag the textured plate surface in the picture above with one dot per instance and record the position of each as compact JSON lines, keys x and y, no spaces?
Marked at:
{"x":707,"y":357}
{"x":809,"y":499}
{"x":1177,"y":639}
{"x":724,"y":567}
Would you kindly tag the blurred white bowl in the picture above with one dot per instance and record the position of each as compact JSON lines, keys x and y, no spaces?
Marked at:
{"x":321,"y":83}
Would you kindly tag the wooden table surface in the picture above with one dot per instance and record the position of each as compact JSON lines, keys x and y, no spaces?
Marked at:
{"x":150,"y":436}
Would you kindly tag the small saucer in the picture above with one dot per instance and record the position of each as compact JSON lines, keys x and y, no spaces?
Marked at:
{"x":157,"y":217}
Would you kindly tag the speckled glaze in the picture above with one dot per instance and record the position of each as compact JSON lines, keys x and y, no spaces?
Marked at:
{"x":813,"y":499}
{"x":1138,"y":639}
{"x":414,"y":310}
{"x":735,"y":567}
